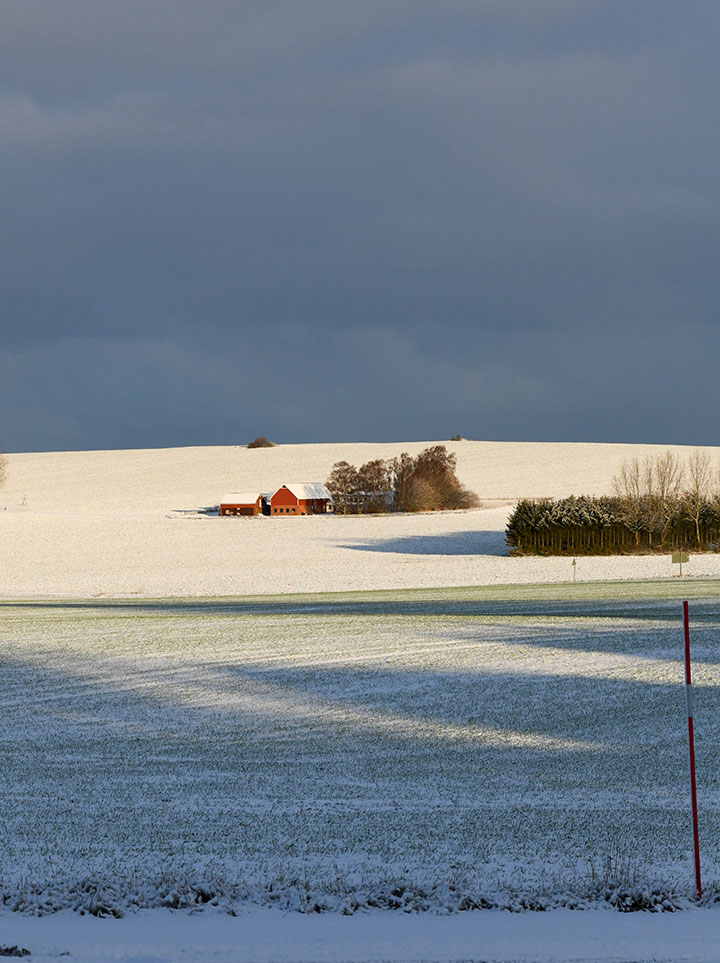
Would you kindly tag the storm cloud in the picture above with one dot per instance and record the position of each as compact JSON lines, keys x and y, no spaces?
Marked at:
{"x":327,"y":221}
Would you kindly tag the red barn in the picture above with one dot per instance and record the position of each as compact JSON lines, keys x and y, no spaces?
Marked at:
{"x":301,"y":498}
{"x":241,"y":503}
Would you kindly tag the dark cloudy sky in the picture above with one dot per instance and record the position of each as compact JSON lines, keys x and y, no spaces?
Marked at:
{"x":327,"y":220}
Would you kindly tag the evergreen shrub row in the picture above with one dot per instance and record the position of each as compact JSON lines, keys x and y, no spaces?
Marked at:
{"x":659,"y":505}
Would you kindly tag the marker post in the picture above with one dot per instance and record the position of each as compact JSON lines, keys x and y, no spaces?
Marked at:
{"x":691,"y":746}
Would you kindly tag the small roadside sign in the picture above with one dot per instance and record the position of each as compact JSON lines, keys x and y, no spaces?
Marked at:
{"x":679,"y":558}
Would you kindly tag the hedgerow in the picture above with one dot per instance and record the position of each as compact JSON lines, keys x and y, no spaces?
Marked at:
{"x":660,"y":505}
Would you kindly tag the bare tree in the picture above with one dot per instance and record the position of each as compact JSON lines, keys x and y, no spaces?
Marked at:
{"x":373,"y":482}
{"x":440,"y":487}
{"x":629,"y":486}
{"x":421,"y":495}
{"x":668,"y":472}
{"x":649,"y":492}
{"x":401,"y":471}
{"x":343,"y":483}
{"x":3,"y":467}
{"x":714,"y":502}
{"x":374,"y":476}
{"x":699,"y":479}
{"x":634,"y":485}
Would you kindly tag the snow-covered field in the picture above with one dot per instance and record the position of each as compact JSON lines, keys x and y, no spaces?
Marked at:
{"x":126,"y":523}
{"x":442,"y":751}
{"x":430,"y":750}
{"x":511,"y":744}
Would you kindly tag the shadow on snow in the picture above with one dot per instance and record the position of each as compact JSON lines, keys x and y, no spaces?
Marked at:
{"x":455,"y":543}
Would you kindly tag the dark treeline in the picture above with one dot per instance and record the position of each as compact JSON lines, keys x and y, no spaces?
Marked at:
{"x":659,"y":505}
{"x":404,"y":484}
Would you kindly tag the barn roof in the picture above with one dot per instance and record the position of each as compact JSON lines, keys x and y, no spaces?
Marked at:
{"x":240,"y":498}
{"x":307,"y":490}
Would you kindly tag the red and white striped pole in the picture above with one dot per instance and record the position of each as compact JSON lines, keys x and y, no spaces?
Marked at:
{"x":691,"y":744}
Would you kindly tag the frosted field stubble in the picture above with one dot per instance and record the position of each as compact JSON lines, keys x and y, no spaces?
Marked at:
{"x":419,"y":749}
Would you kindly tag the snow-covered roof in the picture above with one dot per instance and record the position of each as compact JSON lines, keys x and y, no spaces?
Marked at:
{"x":240,"y":498}
{"x":307,"y":490}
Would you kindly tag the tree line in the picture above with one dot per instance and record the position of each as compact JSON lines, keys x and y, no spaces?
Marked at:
{"x":660,"y":504}
{"x":405,"y":484}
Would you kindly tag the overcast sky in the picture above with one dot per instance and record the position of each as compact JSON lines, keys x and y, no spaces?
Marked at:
{"x":326,"y":220}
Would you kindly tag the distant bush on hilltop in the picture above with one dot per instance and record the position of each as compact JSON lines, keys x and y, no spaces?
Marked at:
{"x":404,"y":484}
{"x":262,"y":442}
{"x":659,"y":505}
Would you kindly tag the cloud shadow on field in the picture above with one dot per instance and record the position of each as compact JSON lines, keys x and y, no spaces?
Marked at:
{"x":94,"y":718}
{"x":454,"y":543}
{"x":530,"y":714}
{"x":502,"y":726}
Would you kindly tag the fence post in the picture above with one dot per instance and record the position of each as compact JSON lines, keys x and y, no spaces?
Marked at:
{"x":691,"y":747}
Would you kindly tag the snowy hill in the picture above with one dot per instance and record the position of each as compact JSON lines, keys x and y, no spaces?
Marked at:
{"x":168,"y":479}
{"x":127,"y":523}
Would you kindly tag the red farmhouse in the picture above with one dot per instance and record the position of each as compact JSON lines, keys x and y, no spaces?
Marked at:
{"x":241,"y":503}
{"x":301,"y":498}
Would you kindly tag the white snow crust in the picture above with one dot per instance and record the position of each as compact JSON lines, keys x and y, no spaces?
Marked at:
{"x":266,"y":936}
{"x":239,"y":498}
{"x":308,"y":490}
